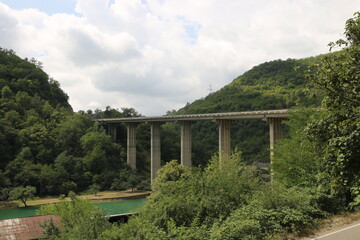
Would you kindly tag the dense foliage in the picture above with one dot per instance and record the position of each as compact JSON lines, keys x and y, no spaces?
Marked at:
{"x":226,"y":200}
{"x":301,"y":167}
{"x":45,"y":145}
{"x":337,"y":131}
{"x":328,"y":142}
{"x":28,"y":76}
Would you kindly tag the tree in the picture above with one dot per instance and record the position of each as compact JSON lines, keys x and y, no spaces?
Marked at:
{"x":6,"y":92}
{"x":4,"y":181}
{"x":134,"y":180}
{"x":100,"y":152}
{"x":71,"y":130}
{"x":301,"y":167}
{"x":4,"y":194}
{"x":23,"y":193}
{"x":94,"y":189}
{"x":337,"y":131}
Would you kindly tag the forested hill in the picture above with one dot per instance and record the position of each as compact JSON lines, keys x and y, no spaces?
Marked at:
{"x":30,"y":103}
{"x":26,"y":76}
{"x":271,"y":85}
{"x":43,"y":143}
{"x":277,"y":84}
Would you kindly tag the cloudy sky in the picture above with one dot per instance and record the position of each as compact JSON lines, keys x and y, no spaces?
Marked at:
{"x":157,"y":55}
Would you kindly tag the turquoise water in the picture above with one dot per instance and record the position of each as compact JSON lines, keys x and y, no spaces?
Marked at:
{"x":111,"y":208}
{"x":118,"y":207}
{"x":18,"y":212}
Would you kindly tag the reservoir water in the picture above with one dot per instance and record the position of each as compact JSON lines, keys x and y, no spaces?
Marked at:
{"x":111,"y":208}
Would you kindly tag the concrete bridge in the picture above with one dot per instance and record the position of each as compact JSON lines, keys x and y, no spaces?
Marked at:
{"x":224,"y":120}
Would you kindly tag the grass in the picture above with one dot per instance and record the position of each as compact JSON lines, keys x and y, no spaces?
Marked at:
{"x":5,"y":205}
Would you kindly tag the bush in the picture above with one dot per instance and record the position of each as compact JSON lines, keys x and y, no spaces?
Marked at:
{"x":144,"y":185}
{"x":186,"y":202}
{"x":136,"y":228}
{"x":79,"y":219}
{"x":274,"y":210}
{"x":237,"y":229}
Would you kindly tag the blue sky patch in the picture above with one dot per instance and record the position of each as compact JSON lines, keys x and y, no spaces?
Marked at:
{"x":48,"y":6}
{"x":192,"y":30}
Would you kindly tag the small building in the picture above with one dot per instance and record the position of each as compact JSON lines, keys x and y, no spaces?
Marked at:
{"x":24,"y":228}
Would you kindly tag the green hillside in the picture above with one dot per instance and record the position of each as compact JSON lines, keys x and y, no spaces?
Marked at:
{"x":28,"y":77}
{"x":28,"y":99}
{"x":44,"y":144}
{"x":271,"y":85}
{"x":277,"y":84}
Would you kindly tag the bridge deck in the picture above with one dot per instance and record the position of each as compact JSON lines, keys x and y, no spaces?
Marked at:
{"x":283,"y":113}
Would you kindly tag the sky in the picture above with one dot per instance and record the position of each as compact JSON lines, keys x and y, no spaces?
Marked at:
{"x":158,"y":55}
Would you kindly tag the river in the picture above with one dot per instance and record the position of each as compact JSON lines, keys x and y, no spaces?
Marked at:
{"x":111,"y":208}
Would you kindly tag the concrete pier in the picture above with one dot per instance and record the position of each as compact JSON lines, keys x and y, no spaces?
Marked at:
{"x":155,"y":149}
{"x":186,"y":143}
{"x":224,"y":137}
{"x":276,"y":131}
{"x":131,"y":144}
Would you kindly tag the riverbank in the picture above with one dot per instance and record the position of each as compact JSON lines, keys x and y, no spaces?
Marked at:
{"x":99,"y":197}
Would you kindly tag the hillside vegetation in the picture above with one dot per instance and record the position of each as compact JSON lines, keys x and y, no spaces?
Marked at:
{"x":279,"y":84}
{"x":45,"y":145}
{"x":272,"y":85}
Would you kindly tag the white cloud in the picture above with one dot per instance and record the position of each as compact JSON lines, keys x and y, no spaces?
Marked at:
{"x":156,"y":55}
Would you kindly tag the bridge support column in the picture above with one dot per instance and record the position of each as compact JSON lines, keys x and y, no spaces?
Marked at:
{"x":186,"y":143}
{"x":224,"y":137}
{"x":276,"y":132}
{"x":131,"y":144}
{"x":155,"y":149}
